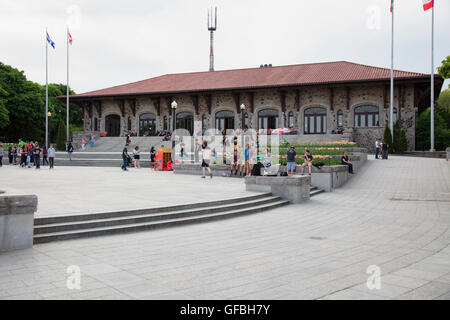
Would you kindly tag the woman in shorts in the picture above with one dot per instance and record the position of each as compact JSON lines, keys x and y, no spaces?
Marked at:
{"x":137,"y":157}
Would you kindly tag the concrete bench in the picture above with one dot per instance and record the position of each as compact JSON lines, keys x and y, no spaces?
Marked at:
{"x":447,"y":151}
{"x":17,"y":221}
{"x":296,"y":189}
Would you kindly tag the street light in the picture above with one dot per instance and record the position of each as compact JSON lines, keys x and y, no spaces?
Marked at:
{"x":174,"y":106}
{"x":243,"y":123}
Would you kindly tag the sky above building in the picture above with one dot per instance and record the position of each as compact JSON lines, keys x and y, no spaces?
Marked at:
{"x":121,"y":41}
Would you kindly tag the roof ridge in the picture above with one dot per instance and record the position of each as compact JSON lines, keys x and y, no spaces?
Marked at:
{"x":381,"y":68}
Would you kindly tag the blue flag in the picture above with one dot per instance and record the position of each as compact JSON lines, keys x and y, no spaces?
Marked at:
{"x":50,"y":41}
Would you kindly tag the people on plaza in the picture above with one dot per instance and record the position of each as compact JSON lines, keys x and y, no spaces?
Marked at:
{"x":346,"y":162}
{"x":291,"y":160}
{"x":384,"y":150}
{"x":152,"y":157}
{"x":308,"y":159}
{"x":247,"y":170}
{"x":10,"y":155}
{"x":91,"y":140}
{"x":377,"y":148}
{"x":37,"y":156}
{"x":182,"y":147}
{"x":23,"y":157}
{"x":137,"y":157}
{"x":235,"y":164}
{"x":70,"y":150}
{"x":51,"y":156}
{"x":29,"y":152}
{"x":206,"y":158}
{"x":44,"y":156}
{"x":125,"y":157}
{"x":83,"y":144}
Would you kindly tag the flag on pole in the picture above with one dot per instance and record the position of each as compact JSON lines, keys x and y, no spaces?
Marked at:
{"x":50,"y":41}
{"x":392,"y":4}
{"x":70,"y":37}
{"x":428,"y":4}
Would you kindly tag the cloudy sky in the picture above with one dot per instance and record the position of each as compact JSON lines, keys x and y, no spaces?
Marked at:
{"x":120,"y":41}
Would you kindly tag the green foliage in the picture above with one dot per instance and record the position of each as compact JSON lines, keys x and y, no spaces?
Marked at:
{"x":388,"y":137}
{"x":403,"y":142}
{"x":399,"y":143}
{"x":443,"y":107}
{"x":441,"y":132}
{"x":4,"y":113}
{"x":444,"y":69}
{"x":25,"y":101}
{"x":61,"y":136}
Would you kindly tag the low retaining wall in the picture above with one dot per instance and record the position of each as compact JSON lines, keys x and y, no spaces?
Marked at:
{"x":17,"y":221}
{"x":296,"y":189}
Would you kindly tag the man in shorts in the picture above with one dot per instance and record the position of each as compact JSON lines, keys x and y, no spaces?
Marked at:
{"x":206,"y":158}
{"x":291,"y":160}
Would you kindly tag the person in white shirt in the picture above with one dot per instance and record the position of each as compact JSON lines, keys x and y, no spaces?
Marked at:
{"x":137,"y":157}
{"x":51,"y":156}
{"x":206,"y":157}
{"x":377,"y":148}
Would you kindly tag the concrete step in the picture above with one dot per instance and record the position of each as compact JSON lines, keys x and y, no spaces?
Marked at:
{"x":107,"y":222}
{"x":132,"y":227}
{"x":315,"y":192}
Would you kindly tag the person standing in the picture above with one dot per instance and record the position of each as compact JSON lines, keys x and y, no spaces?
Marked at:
{"x":70,"y":150}
{"x":346,"y":162}
{"x":246,"y":160}
{"x":377,"y":148}
{"x":10,"y":155}
{"x":308,"y":158}
{"x":91,"y":140}
{"x":51,"y":156}
{"x":44,"y":156}
{"x":83,"y":143}
{"x":291,"y":160}
{"x":152,"y":157}
{"x":384,"y":150}
{"x":37,"y":156}
{"x":125,"y":158}
{"x":16,"y":152}
{"x":206,"y":158}
{"x":29,"y":155}
{"x":137,"y":157}
{"x":23,"y":157}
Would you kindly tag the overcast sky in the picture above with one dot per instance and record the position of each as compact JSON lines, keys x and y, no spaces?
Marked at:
{"x":120,"y":41}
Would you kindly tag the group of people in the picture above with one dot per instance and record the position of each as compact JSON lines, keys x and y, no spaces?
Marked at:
{"x":381,"y":145}
{"x":127,"y":160}
{"x":27,"y":154}
{"x":91,"y":142}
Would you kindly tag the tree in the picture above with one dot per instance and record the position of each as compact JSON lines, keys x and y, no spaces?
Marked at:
{"x":443,"y":107}
{"x":388,"y":137}
{"x":441,"y":133}
{"x":444,"y":69}
{"x":396,"y":139}
{"x":61,"y":136}
{"x":4,"y":113}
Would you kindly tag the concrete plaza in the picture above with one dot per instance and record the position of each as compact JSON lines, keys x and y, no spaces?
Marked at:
{"x":394,"y":215}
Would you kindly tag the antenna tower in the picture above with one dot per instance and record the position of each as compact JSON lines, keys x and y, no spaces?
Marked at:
{"x":212,"y":26}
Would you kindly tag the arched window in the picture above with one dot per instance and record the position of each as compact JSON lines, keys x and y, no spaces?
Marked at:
{"x":165,"y":123}
{"x":268,"y":119}
{"x":204,"y":124}
{"x":340,"y":119}
{"x":224,"y":120}
{"x":315,"y":120}
{"x":291,"y":120}
{"x":147,"y":124}
{"x":366,"y":116}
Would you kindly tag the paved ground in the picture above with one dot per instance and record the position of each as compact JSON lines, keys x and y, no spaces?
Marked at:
{"x":79,"y":190}
{"x":394,"y":214}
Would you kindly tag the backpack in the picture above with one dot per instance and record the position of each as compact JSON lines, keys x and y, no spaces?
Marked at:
{"x":256,"y":171}
{"x":318,"y":165}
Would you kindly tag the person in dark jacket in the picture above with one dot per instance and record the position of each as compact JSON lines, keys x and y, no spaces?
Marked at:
{"x":70,"y":150}
{"x":346,"y":162}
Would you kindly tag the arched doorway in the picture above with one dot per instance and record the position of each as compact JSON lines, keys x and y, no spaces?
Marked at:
{"x":224,"y":120}
{"x":185,"y":120}
{"x":315,"y":121}
{"x":147,"y":124}
{"x":268,"y":119}
{"x":112,"y":125}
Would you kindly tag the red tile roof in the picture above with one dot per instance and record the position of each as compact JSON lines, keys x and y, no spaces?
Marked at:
{"x":292,"y":75}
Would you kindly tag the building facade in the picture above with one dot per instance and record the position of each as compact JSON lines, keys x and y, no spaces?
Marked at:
{"x":313,"y":99}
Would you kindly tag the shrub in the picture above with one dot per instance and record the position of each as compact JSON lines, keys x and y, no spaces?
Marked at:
{"x":441,"y":133}
{"x":61,"y":136}
{"x":388,"y":137}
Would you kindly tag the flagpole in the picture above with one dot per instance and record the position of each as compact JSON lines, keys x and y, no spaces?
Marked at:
{"x":432,"y":81}
{"x":67,"y":93}
{"x":391,"y":111}
{"x":46,"y":88}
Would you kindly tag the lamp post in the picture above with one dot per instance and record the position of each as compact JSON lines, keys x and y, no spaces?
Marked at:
{"x":49,"y":114}
{"x":174,"y":105}
{"x":242,"y":114}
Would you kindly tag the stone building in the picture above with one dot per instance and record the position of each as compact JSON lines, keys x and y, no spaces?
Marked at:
{"x":314,"y":99}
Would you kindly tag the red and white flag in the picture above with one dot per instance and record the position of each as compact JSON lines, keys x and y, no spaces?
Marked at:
{"x":70,"y":37}
{"x":427,"y":4}
{"x":392,"y":4}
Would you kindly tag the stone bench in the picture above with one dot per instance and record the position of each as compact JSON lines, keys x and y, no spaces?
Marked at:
{"x":17,"y":221}
{"x":296,"y":189}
